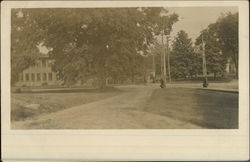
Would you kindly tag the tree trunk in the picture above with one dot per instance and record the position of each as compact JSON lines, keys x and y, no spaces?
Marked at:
{"x":101,"y":78}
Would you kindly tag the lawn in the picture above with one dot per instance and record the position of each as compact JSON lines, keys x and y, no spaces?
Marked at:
{"x":208,"y":109}
{"x":47,"y":102}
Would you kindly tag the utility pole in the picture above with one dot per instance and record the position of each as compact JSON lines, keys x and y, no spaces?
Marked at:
{"x":164,"y":65}
{"x":153,"y":68}
{"x":164,"y":54}
{"x":162,"y":57}
{"x":169,"y":70}
{"x":204,"y":67}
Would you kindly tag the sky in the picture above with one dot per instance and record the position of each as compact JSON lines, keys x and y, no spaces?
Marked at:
{"x":193,"y":19}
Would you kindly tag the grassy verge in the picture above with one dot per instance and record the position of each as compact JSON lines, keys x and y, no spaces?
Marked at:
{"x":53,"y":101}
{"x":205,"y":108}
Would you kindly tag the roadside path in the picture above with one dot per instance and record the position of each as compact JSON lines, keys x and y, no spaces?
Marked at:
{"x":119,"y":112}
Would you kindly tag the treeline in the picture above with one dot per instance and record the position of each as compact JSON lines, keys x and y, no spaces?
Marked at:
{"x":221,"y":47}
{"x":116,"y":43}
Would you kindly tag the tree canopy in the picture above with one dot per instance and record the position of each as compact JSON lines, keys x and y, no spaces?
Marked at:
{"x":215,"y":60}
{"x":221,"y":39}
{"x":184,"y":61}
{"x":100,"y":42}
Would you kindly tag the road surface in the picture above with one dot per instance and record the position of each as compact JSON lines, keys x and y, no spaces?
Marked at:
{"x":124,"y":111}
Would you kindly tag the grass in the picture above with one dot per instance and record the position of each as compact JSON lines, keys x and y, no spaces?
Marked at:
{"x":54,"y":101}
{"x":208,"y":109}
{"x":229,"y":85}
{"x":232,"y":85}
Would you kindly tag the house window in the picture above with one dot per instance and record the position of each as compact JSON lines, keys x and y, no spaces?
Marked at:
{"x":44,"y":77}
{"x":38,"y":76}
{"x":33,"y":77}
{"x":43,"y":63}
{"x":27,"y":77}
{"x":50,"y":76}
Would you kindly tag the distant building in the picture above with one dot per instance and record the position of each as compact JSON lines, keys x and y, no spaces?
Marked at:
{"x":39,"y":74}
{"x":230,"y":67}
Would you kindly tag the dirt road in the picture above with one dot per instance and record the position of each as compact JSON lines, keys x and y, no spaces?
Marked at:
{"x":124,"y":111}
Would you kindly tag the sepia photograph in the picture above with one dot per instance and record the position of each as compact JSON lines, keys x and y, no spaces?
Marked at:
{"x":125,"y":80}
{"x":124,"y":68}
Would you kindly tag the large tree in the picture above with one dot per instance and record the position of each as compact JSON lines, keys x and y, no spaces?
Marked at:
{"x":228,"y":34}
{"x":185,"y":62}
{"x":25,"y":37}
{"x":221,"y":43}
{"x":215,"y":60}
{"x":100,"y":43}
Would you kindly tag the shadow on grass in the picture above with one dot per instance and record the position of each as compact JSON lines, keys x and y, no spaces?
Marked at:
{"x":22,"y":113}
{"x":220,"y":109}
{"x":208,"y":109}
{"x":26,"y":105}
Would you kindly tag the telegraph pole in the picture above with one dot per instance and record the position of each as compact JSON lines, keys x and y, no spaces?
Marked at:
{"x":153,"y":68}
{"x":204,"y":65}
{"x":169,"y":70}
{"x":164,"y":64}
{"x":164,"y":54}
{"x":162,"y":42}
